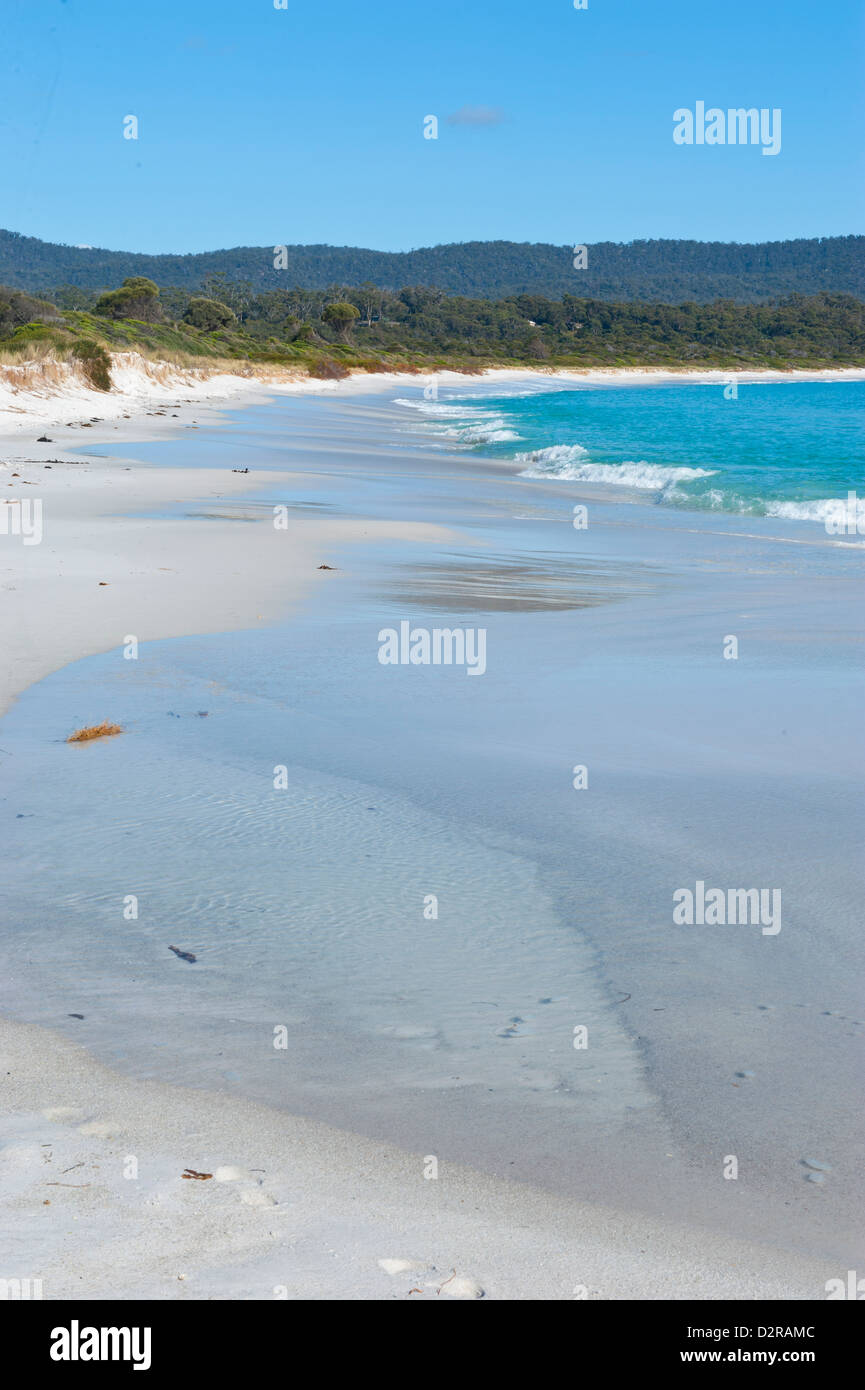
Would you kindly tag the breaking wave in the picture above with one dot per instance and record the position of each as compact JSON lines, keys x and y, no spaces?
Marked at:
{"x":462,"y":425}
{"x":571,"y":462}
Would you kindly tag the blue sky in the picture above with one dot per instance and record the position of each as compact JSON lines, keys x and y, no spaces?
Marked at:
{"x":260,"y":126}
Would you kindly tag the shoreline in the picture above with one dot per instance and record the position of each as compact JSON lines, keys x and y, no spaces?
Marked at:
{"x":151,"y":406}
{"x":35,"y":391}
{"x":234,"y":1248}
{"x":107,"y":568}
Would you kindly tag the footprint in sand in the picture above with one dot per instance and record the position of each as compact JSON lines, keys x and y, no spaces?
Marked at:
{"x":513,"y":1028}
{"x":101,"y":1129}
{"x":63,"y":1112}
{"x":412,"y":1032}
{"x":395,"y":1267}
{"x":538,"y":1080}
{"x":817,"y":1170}
{"x":257,"y":1197}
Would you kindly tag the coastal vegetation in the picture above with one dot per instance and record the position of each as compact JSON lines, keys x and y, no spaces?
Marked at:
{"x":331,"y":332}
{"x":96,"y":361}
{"x":137,"y":298}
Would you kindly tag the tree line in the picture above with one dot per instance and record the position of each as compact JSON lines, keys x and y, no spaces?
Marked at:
{"x":232,"y":318}
{"x":664,"y":270}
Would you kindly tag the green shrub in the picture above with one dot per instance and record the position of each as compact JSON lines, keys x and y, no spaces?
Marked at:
{"x":17,"y":310}
{"x":137,"y":298}
{"x":209,"y":315}
{"x":340,"y":316}
{"x":96,"y":363}
{"x":34,"y":333}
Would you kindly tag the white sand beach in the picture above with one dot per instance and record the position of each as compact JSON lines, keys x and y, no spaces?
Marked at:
{"x":92,"y":1161}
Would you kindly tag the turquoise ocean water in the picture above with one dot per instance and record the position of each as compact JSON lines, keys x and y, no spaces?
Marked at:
{"x":781,"y":449}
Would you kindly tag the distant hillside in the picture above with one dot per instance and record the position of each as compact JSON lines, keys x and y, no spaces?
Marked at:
{"x":671,"y":272}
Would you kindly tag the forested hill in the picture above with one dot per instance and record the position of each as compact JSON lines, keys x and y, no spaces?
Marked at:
{"x":671,"y":272}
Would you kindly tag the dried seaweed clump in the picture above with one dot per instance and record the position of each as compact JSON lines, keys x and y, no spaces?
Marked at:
{"x":105,"y":730}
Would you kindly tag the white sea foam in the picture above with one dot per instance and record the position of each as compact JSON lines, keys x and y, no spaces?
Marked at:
{"x":822,"y":509}
{"x":552,"y":461}
{"x":571,"y":462}
{"x":464,"y":425}
{"x":713,"y":499}
{"x":439,"y":408}
{"x":503,"y":395}
{"x":492,"y":431}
